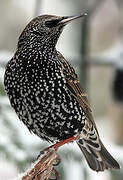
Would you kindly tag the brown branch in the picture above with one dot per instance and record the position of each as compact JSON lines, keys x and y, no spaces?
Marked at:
{"x":43,"y":168}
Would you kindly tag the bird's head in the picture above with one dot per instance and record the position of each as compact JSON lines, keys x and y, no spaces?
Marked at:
{"x":45,"y":29}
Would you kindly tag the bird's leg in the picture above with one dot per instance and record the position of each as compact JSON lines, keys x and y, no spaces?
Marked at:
{"x":59,"y":144}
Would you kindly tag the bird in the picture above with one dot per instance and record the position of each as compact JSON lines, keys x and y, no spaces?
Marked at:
{"x":45,"y":92}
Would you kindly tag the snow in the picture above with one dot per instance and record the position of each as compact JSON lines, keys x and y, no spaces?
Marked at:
{"x":7,"y":170}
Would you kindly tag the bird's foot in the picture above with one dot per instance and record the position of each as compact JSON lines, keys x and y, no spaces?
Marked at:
{"x":56,"y":174}
{"x":57,"y":161}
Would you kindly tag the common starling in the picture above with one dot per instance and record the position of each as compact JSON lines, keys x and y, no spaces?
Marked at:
{"x":46,"y":94}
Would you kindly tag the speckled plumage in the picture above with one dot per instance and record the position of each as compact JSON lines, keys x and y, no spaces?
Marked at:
{"x":45,"y":92}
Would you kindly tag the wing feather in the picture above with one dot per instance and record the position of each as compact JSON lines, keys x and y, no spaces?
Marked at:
{"x":97,"y":156}
{"x":74,"y":85}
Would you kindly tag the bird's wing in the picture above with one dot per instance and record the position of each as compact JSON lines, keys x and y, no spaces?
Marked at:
{"x":73,"y":84}
{"x":97,"y":156}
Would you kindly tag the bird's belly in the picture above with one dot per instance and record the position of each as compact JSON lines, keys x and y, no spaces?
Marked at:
{"x":49,"y":112}
{"x":51,"y":120}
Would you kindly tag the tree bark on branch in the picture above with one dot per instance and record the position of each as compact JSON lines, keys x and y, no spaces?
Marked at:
{"x":44,"y":166}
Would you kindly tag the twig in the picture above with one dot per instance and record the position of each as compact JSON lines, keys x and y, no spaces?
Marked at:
{"x":44,"y":166}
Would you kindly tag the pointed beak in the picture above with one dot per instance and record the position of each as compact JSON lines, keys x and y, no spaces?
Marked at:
{"x":67,"y":19}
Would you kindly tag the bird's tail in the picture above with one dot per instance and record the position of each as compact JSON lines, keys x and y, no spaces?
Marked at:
{"x":97,"y":159}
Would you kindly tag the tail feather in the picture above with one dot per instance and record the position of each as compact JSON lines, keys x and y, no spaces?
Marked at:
{"x":98,"y":160}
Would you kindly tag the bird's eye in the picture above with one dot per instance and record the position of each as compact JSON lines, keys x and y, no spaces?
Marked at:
{"x":52,"y":23}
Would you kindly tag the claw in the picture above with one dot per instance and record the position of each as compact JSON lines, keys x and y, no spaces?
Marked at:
{"x":56,"y":174}
{"x":57,"y":161}
{"x":40,"y":154}
{"x":53,"y":179}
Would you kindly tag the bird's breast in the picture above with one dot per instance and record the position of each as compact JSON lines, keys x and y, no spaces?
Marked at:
{"x":40,"y":97}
